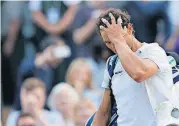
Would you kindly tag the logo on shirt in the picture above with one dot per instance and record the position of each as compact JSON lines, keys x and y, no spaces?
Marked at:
{"x":118,"y":72}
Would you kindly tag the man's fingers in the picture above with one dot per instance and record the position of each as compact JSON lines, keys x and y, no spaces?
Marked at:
{"x":102,"y":28}
{"x":112,"y":18}
{"x":105,"y":22}
{"x":125,"y":29}
{"x":119,"y":20}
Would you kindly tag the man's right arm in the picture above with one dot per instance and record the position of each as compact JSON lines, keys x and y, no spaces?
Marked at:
{"x":102,"y":114}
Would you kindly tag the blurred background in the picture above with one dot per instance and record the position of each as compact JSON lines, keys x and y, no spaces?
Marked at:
{"x":56,"y":45}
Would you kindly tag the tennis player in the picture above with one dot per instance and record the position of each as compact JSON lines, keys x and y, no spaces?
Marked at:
{"x":141,"y":73}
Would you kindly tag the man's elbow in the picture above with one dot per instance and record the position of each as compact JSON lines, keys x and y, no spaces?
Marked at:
{"x":139,"y":76}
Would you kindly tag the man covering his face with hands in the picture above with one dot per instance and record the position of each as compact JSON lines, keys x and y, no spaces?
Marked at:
{"x":140,"y":68}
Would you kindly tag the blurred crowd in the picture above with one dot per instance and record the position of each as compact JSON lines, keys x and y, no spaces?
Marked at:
{"x":53,"y":57}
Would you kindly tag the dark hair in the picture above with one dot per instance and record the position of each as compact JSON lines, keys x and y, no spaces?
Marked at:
{"x":116,"y":13}
{"x":23,"y":115}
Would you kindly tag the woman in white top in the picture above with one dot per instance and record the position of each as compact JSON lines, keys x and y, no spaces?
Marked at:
{"x":79,"y":75}
{"x":63,"y":99}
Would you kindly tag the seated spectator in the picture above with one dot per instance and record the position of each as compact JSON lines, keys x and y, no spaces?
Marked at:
{"x":63,"y":99}
{"x":26,"y":119}
{"x":32,"y":96}
{"x":83,"y":110}
{"x":53,"y":18}
{"x":40,"y":66}
{"x":79,"y":75}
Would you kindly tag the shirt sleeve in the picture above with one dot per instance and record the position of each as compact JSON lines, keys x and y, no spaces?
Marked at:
{"x":159,"y":57}
{"x":35,"y":5}
{"x":106,"y":78}
{"x":70,"y":3}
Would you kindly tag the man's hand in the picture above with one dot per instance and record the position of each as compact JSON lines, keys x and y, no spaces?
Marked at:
{"x":114,"y":31}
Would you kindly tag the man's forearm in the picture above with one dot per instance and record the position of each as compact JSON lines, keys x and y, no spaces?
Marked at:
{"x":132,"y":64}
{"x":100,"y":119}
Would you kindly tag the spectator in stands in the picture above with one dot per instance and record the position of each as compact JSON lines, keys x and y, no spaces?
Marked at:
{"x":84,"y":109}
{"x":40,"y":66}
{"x":147,"y":17}
{"x":173,"y":42}
{"x":11,"y":43}
{"x":63,"y":99}
{"x":32,"y":100}
{"x":26,"y":119}
{"x":85,"y":35}
{"x":79,"y":75}
{"x":53,"y":18}
{"x":87,"y":40}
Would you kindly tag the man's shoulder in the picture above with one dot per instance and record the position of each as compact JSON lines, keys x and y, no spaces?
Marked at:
{"x":153,"y":47}
{"x":153,"y":50}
